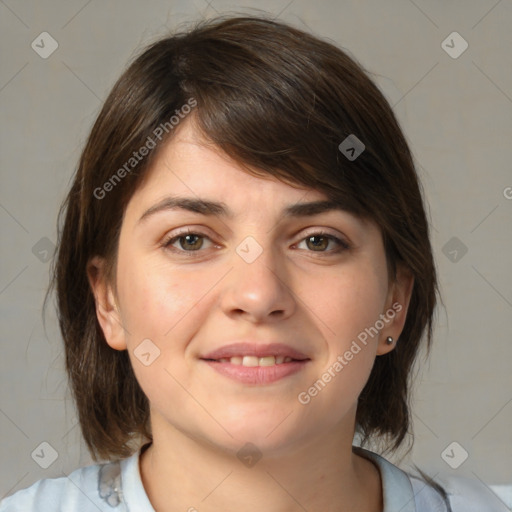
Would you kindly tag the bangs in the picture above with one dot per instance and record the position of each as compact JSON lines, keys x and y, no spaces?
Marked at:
{"x":281,"y":112}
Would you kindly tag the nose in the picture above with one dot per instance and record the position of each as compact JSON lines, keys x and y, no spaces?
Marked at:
{"x":258,"y":291}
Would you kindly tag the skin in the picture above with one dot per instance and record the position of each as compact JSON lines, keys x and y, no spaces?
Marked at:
{"x":317,"y":300}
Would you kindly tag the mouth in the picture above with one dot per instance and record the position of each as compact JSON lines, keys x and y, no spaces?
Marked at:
{"x":252,"y":363}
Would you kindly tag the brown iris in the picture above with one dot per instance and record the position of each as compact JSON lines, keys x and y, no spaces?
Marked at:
{"x":191,"y":242}
{"x":317,"y":243}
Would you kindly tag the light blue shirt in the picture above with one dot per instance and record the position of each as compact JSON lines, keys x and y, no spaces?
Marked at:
{"x":117,"y":487}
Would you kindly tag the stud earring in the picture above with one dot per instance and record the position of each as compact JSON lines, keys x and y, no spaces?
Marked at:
{"x":389,"y":340}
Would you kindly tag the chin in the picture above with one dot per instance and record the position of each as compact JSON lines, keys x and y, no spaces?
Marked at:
{"x":268,"y":432}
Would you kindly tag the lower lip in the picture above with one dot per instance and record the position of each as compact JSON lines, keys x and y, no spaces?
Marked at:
{"x":257,"y":374}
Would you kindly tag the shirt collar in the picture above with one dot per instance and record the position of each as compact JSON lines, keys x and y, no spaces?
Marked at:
{"x":134,"y":493}
{"x":398,"y":495}
{"x":397,"y":492}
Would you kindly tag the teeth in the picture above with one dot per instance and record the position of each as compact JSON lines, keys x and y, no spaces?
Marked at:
{"x":252,"y":361}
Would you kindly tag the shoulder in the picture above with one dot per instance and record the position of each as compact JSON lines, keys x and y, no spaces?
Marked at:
{"x":95,"y":487}
{"x":459,"y":494}
{"x":418,"y":493}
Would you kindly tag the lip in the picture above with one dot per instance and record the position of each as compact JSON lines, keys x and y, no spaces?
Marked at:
{"x":256,"y":349}
{"x":257,"y":374}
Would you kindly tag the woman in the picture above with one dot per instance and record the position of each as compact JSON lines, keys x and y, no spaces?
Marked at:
{"x":244,"y":279}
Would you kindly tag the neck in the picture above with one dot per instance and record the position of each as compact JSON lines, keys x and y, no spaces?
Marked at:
{"x":180,"y":473}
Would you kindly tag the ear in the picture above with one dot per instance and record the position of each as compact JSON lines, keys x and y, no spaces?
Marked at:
{"x":107,"y":311}
{"x":395,"y":312}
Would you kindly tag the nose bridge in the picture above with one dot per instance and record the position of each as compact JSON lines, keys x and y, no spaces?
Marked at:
{"x":257,"y":284}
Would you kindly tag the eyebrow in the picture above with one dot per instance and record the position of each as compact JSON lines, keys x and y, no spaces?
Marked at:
{"x":213,"y":208}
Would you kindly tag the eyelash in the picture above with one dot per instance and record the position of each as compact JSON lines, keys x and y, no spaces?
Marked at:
{"x":170,"y":240}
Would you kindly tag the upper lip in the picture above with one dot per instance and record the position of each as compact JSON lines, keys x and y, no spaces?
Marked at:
{"x":255,"y":349}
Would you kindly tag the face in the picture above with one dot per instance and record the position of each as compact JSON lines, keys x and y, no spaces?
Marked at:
{"x":247,"y":315}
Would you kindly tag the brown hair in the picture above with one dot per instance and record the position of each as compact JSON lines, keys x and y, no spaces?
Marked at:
{"x":275,"y":99}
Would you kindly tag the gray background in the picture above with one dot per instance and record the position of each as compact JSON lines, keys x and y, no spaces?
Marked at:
{"x":455,"y":112}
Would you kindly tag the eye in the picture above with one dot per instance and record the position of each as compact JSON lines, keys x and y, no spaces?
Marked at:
{"x":323,"y":242}
{"x":190,"y":242}
{"x":186,"y":242}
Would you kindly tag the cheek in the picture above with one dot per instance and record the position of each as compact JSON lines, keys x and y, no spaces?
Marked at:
{"x":154,"y":298}
{"x":157,"y":304}
{"x":348,"y":302}
{"x":167,"y":306}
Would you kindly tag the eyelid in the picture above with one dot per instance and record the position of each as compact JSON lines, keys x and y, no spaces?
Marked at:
{"x":343,"y":239}
{"x":174,"y":236}
{"x":170,"y":239}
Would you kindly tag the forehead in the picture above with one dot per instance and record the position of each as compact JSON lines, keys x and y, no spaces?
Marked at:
{"x":190,"y":165}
